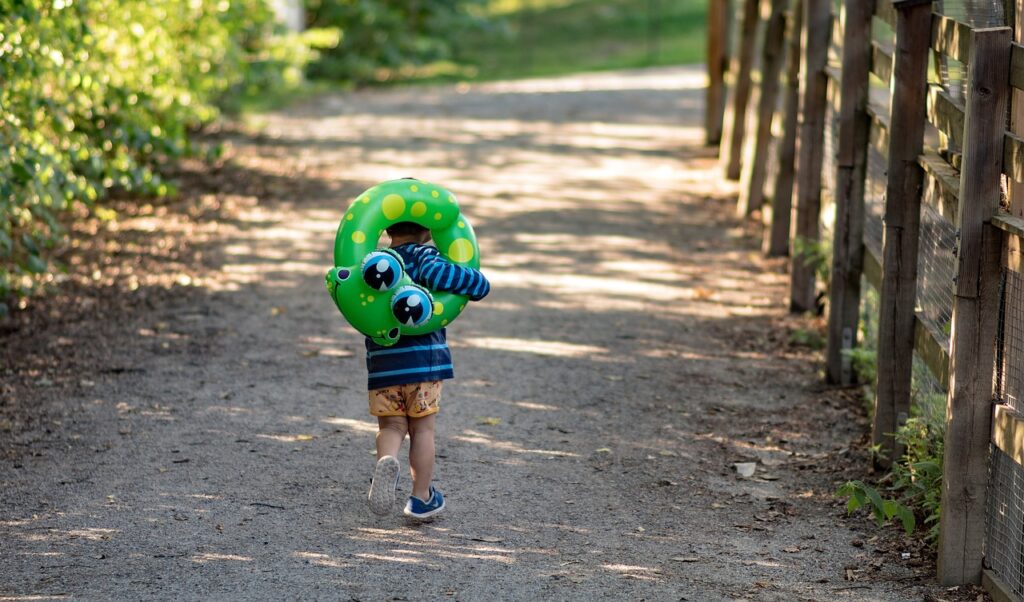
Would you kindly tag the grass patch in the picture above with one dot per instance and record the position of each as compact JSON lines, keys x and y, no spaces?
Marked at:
{"x":554,"y":37}
{"x":272,"y":100}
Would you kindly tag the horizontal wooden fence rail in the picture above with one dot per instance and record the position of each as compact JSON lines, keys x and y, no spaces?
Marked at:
{"x":871,"y":119}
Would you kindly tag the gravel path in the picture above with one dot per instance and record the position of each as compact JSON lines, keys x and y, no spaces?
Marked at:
{"x":635,"y":347}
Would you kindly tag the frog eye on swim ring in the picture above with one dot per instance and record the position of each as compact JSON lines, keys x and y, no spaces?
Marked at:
{"x":382,"y":269}
{"x":412,"y":305}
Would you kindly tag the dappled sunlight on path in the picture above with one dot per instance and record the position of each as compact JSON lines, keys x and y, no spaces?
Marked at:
{"x":630,"y":353}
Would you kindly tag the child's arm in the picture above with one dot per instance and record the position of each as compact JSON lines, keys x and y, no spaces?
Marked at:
{"x":437,"y":273}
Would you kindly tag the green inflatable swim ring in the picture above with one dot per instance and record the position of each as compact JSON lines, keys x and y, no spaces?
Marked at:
{"x":370,"y":286}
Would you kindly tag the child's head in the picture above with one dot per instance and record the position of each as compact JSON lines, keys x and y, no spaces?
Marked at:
{"x":408,"y":231}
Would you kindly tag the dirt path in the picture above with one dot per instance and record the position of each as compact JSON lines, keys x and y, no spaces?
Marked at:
{"x":212,"y":441}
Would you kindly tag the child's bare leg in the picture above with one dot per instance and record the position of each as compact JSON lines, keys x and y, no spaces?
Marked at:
{"x":391,"y":433}
{"x":421,"y":454}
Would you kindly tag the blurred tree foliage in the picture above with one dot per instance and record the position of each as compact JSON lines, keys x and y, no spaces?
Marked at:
{"x":96,"y":93}
{"x":379,"y":37}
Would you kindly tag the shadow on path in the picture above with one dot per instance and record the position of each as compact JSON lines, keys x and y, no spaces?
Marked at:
{"x":633,"y":349}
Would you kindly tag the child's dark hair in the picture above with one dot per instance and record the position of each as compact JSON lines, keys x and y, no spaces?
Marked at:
{"x":405,"y":229}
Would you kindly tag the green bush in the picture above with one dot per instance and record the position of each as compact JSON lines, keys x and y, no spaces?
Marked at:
{"x":97,"y":93}
{"x":381,"y":36}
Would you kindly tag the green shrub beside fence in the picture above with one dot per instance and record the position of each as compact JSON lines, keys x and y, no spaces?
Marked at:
{"x":96,"y":93}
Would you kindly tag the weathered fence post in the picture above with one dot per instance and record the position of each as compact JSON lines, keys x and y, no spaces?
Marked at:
{"x":718,"y":58}
{"x":851,"y":170}
{"x":975,"y":312}
{"x":736,"y":113}
{"x":817,"y":31}
{"x":767,"y":94}
{"x":902,"y":220}
{"x":776,"y":239}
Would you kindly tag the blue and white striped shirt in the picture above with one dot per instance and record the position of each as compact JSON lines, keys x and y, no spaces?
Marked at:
{"x":420,"y":358}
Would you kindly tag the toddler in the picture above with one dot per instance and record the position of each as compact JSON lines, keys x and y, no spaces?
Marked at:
{"x":405,"y":379}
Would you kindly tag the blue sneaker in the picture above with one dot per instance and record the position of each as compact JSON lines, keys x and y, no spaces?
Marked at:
{"x":382,"y":488}
{"x":420,"y":510}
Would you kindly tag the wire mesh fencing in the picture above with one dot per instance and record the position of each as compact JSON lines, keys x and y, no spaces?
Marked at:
{"x":1004,"y":537}
{"x":936,"y":266}
{"x":1010,"y":343}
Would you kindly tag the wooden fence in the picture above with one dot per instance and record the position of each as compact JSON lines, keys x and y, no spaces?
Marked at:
{"x":912,"y":183}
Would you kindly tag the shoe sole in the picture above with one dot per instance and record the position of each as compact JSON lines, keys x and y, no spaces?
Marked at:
{"x":426,"y":515}
{"x":382,"y":490}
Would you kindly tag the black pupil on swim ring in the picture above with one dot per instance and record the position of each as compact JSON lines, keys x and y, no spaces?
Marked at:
{"x":393,"y":333}
{"x":343,"y":274}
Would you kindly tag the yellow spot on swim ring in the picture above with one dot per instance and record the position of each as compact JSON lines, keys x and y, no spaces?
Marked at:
{"x":462,"y":224}
{"x":437,"y":216}
{"x":349,"y":217}
{"x":393,"y":206}
{"x":438,"y":308}
{"x":365,"y":199}
{"x":461,"y":250}
{"x":451,"y":199}
{"x":358,"y":237}
{"x":444,"y":322}
{"x":418,"y":208}
{"x":414,"y":188}
{"x":370,"y":298}
{"x":435,"y":193}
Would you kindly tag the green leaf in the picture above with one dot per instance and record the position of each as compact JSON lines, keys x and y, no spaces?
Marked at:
{"x":35,"y":264}
{"x":21,"y":172}
{"x":876,"y":498}
{"x":30,"y":244}
{"x":890,"y":508}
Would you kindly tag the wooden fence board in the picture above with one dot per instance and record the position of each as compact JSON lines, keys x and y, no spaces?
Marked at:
{"x":946,"y":114}
{"x":932,"y":348}
{"x":975,"y":313}
{"x":717,"y":58}
{"x":881,"y":60}
{"x":817,"y":19}
{"x":851,"y":169}
{"x":754,"y":171}
{"x":885,"y":11}
{"x":942,"y":185}
{"x":1008,"y":432}
{"x":736,"y":112}
{"x":951,"y":37}
{"x":997,"y":588}
{"x":1013,"y":157}
{"x":1009,"y":223}
{"x":777,"y":234}
{"x":902,"y":222}
{"x":1017,"y":66}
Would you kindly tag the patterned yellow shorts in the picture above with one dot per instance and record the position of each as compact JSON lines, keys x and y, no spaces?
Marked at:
{"x":414,"y":400}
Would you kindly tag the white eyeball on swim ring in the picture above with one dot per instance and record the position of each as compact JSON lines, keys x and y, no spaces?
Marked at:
{"x":412,"y":305}
{"x":382,"y":270}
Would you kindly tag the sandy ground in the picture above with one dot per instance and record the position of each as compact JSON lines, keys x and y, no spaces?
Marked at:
{"x":204,"y":434}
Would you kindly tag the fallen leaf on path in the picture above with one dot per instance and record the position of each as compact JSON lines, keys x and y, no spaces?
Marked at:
{"x":304,"y":437}
{"x":277,"y":311}
{"x":483,"y":538}
{"x":791,"y":550}
{"x":686,"y":559}
{"x":603,"y":450}
{"x":745,"y":469}
{"x":702,"y":293}
{"x":668,"y":453}
{"x":489,"y":420}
